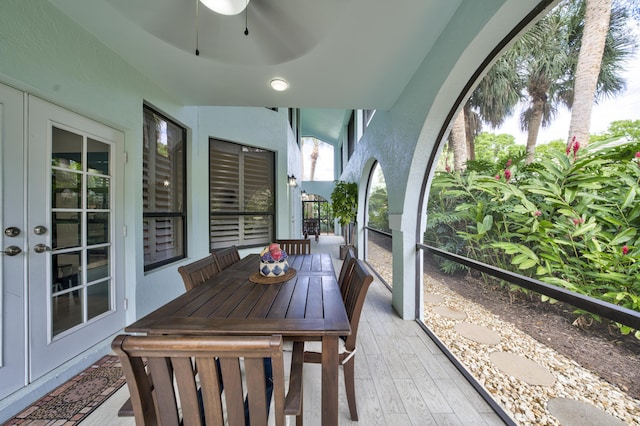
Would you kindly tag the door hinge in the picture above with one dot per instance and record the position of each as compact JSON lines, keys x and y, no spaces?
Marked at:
{"x":124,"y":231}
{"x":126,"y":303}
{"x":126,"y":157}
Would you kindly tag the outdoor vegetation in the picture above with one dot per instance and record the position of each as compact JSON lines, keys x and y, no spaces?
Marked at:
{"x":566,"y":212}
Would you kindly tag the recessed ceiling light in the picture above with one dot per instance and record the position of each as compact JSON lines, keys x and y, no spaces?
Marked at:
{"x":279,"y":84}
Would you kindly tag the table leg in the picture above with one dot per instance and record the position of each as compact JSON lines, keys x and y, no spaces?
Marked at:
{"x":329,"y":380}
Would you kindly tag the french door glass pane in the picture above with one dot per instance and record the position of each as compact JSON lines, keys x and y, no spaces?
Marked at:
{"x":67,"y":189}
{"x":98,"y":297}
{"x":98,"y":264}
{"x":98,"y":192}
{"x":67,"y":149}
{"x":65,"y":228}
{"x":97,"y":157}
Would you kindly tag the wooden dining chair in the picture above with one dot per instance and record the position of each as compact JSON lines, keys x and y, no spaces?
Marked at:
{"x":295,"y":246}
{"x":231,"y":381}
{"x":195,"y":273}
{"x":226,"y":256}
{"x":346,"y":271}
{"x":359,"y":283}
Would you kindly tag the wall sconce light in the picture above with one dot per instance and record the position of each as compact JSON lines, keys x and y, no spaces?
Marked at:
{"x":291,"y":180}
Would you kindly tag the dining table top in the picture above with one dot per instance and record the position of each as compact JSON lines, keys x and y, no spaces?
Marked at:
{"x":309,"y":304}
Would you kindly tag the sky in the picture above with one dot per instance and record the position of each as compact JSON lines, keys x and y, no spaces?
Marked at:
{"x":625,"y":106}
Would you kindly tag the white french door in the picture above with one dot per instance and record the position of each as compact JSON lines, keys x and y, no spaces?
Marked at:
{"x":73,"y":293}
{"x":62,"y":286}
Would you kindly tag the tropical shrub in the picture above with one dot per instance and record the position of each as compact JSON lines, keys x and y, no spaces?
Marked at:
{"x":571,"y":219}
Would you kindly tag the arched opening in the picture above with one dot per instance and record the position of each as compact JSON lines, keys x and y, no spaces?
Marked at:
{"x":378,"y":243}
{"x":521,"y":264}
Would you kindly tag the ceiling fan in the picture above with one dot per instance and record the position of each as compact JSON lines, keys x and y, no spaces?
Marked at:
{"x":280,"y":30}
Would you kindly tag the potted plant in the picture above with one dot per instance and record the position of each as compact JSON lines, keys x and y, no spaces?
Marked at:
{"x":344,"y":203}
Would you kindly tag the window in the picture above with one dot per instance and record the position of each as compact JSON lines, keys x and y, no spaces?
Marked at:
{"x":163,"y":190}
{"x":241,"y":195}
{"x":317,"y":160}
{"x":367,"y":115}
{"x":351,"y":135}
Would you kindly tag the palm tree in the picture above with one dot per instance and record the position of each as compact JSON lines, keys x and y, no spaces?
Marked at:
{"x":314,"y":158}
{"x":493,"y":99}
{"x":544,"y":59}
{"x":604,"y":42}
{"x":458,"y":142}
{"x":596,"y":26}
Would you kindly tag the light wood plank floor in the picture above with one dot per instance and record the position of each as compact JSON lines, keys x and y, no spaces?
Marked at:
{"x":402,"y":378}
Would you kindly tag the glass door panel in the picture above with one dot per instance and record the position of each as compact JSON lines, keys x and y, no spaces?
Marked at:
{"x":81,"y":233}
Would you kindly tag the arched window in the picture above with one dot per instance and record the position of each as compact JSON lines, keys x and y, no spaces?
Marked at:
{"x":378,"y":241}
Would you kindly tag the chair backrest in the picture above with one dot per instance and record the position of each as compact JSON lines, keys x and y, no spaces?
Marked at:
{"x":226,"y":256}
{"x":356,"y":293}
{"x":170,"y":383}
{"x":295,"y":246}
{"x":195,"y":273}
{"x":345,"y":271}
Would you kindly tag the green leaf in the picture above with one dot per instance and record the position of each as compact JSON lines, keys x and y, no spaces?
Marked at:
{"x":631,"y":195}
{"x":517,"y":260}
{"x":583,"y":229}
{"x":530,"y":263}
{"x":623,"y":237}
{"x":625,"y":329}
{"x":570,"y":194}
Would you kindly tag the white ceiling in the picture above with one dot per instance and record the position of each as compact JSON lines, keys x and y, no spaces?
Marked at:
{"x":344,"y":54}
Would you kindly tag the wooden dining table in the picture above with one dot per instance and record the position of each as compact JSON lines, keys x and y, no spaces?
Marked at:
{"x":308,"y":306}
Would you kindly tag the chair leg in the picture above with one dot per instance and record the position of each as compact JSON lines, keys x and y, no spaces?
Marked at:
{"x":299,"y":416}
{"x":349,"y":383}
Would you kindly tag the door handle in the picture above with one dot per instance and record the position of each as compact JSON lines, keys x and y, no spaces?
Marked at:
{"x":41,"y":248}
{"x":12,"y":251}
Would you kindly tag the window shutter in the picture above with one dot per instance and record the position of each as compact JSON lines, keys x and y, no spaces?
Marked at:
{"x":241,"y":187}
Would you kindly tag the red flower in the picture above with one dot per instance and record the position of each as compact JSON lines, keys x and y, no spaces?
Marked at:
{"x":576,"y":147}
{"x":638,"y":155}
{"x":578,"y":221}
{"x":507,"y":174}
{"x":625,"y":250}
{"x":538,"y":213}
{"x":570,"y":144}
{"x":497,"y":177}
{"x":508,"y":163}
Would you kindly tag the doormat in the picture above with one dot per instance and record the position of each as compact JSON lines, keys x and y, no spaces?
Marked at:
{"x":74,"y":400}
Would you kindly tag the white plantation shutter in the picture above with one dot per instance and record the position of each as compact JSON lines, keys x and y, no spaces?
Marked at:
{"x":241,"y":195}
{"x":163,"y":190}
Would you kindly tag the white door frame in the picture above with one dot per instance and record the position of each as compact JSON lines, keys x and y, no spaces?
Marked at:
{"x":13,"y":321}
